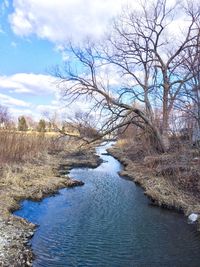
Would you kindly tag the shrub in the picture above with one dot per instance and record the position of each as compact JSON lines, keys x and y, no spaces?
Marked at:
{"x":22,"y":125}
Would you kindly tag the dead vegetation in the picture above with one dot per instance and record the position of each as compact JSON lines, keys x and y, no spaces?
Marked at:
{"x":26,"y":167}
{"x":35,"y":165}
{"x":18,"y":147}
{"x":32,"y":166}
{"x":170,"y":180}
{"x":181,"y":167}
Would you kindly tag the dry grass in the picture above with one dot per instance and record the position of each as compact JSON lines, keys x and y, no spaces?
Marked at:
{"x":17,"y":147}
{"x":27,"y":164}
{"x":30,"y":166}
{"x":122,"y":143}
{"x":133,"y":150}
{"x":24,"y":162}
{"x":181,"y":167}
{"x":171,"y":180}
{"x":27,"y":180}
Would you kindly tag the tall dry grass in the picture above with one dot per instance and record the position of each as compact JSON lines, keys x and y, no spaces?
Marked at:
{"x":16,"y":147}
{"x":180,"y":165}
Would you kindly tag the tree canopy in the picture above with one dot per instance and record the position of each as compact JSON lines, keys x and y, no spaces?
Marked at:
{"x":154,"y":68}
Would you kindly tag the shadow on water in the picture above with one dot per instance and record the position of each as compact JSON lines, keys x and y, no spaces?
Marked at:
{"x":108,"y":223}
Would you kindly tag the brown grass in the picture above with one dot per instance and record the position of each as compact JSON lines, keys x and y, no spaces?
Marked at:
{"x":27,"y":164}
{"x":17,"y":147}
{"x":171,"y":180}
{"x":31,"y":165}
{"x":181,"y":167}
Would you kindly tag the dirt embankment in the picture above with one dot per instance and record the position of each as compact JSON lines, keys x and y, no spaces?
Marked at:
{"x":33,"y":181}
{"x":170,"y":181}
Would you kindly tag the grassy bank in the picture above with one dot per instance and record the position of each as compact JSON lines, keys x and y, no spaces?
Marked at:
{"x":32,"y":167}
{"x":171,"y":180}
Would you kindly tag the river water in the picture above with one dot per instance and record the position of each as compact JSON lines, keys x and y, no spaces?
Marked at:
{"x":108,"y":222}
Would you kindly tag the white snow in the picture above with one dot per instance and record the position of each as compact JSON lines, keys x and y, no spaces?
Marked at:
{"x":193,"y":217}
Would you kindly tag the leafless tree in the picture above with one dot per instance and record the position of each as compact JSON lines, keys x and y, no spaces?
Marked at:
{"x":83,"y":123}
{"x":143,"y":44}
{"x":5,"y":118}
{"x":141,"y":52}
{"x":190,"y":101}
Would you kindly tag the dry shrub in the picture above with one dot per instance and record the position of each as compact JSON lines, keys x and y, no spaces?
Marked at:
{"x":146,"y":142}
{"x":154,"y":160}
{"x":121,"y":143}
{"x":20,"y":147}
{"x":138,"y":145}
{"x":181,"y":167}
{"x":133,"y":150}
{"x":56,"y":144}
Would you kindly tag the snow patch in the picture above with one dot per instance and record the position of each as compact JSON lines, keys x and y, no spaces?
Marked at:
{"x":193,"y":217}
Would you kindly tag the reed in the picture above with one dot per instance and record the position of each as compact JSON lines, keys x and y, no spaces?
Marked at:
{"x":17,"y":147}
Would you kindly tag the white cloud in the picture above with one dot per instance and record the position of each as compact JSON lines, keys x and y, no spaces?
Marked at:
{"x":38,"y":89}
{"x":37,"y":84}
{"x":62,"y":108}
{"x":60,"y":20}
{"x":11,"y":101}
{"x":61,"y":49}
{"x":16,"y":112}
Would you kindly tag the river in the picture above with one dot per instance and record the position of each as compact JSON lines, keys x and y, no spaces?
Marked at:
{"x":108,"y":222}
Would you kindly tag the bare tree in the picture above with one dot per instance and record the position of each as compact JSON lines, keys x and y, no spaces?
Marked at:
{"x":140,"y":51}
{"x":88,"y":83}
{"x":5,"y":117}
{"x":83,"y":123}
{"x":189,"y":101}
{"x":141,"y":47}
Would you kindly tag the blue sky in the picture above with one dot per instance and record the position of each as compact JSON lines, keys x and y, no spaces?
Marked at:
{"x":23,"y":54}
{"x":23,"y":62}
{"x":32,"y":36}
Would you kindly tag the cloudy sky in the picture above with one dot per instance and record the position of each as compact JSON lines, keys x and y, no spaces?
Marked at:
{"x":32,"y":35}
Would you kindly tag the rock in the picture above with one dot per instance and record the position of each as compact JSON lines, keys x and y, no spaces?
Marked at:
{"x":74,"y":182}
{"x":193,"y":217}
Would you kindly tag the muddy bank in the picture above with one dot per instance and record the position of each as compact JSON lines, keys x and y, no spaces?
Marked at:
{"x":33,"y":181}
{"x":163,"y":192}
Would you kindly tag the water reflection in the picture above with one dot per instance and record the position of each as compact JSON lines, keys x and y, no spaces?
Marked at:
{"x":108,"y":222}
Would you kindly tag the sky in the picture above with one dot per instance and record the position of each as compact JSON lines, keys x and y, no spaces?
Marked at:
{"x":32,"y":36}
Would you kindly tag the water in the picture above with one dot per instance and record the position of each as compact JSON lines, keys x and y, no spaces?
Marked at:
{"x":108,"y":222}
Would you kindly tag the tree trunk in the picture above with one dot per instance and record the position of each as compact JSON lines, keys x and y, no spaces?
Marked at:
{"x":165,"y":128}
{"x":160,"y":145}
{"x":165,"y":120}
{"x":165,"y":140}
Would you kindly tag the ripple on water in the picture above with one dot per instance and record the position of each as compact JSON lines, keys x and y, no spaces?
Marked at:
{"x":108,"y":222}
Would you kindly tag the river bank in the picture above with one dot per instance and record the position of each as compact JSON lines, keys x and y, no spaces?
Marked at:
{"x":33,"y":181}
{"x":108,"y":222}
{"x":165,"y":185}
